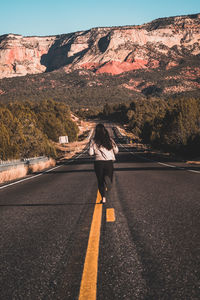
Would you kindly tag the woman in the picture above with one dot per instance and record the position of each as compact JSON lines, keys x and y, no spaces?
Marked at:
{"x":104,"y":150}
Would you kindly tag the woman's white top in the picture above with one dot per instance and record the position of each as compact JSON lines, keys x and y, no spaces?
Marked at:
{"x":102,"y":153}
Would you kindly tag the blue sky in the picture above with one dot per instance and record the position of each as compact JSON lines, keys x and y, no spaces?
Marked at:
{"x":48,"y":17}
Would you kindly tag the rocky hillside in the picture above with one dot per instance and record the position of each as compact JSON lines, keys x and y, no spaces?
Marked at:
{"x":168,"y":45}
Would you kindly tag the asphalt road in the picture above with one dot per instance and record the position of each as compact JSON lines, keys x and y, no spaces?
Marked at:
{"x":151,"y":251}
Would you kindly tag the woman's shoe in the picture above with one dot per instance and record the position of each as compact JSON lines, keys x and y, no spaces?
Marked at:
{"x":104,"y":200}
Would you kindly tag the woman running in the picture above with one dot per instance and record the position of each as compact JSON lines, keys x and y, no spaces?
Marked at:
{"x":104,"y":150}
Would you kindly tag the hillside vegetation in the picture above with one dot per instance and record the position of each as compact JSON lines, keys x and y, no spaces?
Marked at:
{"x":30,"y":129}
{"x":172,"y":125}
{"x":83,"y":88}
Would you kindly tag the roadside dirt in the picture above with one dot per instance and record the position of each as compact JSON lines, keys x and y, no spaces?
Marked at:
{"x":66,"y":151}
{"x":135,"y":141}
{"x":194,"y":162}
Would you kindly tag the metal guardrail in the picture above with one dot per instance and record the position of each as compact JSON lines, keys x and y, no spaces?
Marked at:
{"x":6,"y":165}
{"x":121,"y":138}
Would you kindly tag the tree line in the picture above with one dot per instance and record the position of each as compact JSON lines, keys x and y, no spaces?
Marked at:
{"x":30,"y":129}
{"x":172,"y":125}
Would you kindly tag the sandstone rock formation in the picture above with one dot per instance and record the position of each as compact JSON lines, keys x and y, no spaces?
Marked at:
{"x":22,"y":55}
{"x":162,"y":43}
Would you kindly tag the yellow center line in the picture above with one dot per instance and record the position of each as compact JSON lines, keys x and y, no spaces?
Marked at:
{"x":88,"y":289}
{"x":110,"y":215}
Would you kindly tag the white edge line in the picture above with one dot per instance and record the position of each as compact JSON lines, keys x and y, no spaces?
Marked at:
{"x":171,"y":166}
{"x":51,"y":169}
{"x":28,"y":178}
{"x":24,"y":179}
{"x":34,"y":176}
{"x":193,"y":171}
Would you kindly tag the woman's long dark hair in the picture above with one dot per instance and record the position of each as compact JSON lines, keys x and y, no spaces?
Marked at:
{"x":102,"y":137}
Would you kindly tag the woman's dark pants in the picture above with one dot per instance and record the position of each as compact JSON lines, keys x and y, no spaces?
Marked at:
{"x":104,"y":173}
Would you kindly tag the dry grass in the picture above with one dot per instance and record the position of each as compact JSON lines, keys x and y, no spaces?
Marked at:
{"x":69,"y":150}
{"x":194,"y":162}
{"x":14,"y":173}
{"x":131,"y":135}
{"x":66,"y":151}
{"x":148,"y":148}
{"x":22,"y":171}
{"x":42,"y":165}
{"x":134,"y":140}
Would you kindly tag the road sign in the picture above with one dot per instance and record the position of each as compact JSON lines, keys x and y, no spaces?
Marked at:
{"x":63,"y":139}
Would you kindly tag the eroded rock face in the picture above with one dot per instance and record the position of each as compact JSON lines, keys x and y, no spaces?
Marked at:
{"x":160,"y":43}
{"x":22,"y":55}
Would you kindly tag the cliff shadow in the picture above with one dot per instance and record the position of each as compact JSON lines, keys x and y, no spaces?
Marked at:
{"x":57,"y":55}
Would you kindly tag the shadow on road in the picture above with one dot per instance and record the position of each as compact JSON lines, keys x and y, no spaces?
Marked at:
{"x":133,"y":169}
{"x":69,"y":171}
{"x":165,"y":168}
{"x":47,"y":204}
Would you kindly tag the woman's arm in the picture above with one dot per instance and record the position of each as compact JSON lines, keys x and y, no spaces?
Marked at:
{"x":91,"y":148}
{"x":115,"y":148}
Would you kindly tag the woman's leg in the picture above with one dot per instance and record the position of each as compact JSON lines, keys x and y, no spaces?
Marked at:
{"x":108,"y":176}
{"x":99,"y":170}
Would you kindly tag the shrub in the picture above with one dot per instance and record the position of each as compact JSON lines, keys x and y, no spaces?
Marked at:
{"x":28,"y":129}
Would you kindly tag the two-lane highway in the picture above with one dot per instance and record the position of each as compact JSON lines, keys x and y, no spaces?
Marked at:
{"x":150,"y":250}
{"x":44,"y":228}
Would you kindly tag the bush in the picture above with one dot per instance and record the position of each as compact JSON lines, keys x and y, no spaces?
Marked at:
{"x":28,"y":129}
{"x":173,"y":124}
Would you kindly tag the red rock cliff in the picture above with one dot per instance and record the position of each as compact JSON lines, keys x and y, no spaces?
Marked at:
{"x":160,"y":43}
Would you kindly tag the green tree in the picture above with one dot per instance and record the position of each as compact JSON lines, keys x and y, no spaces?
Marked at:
{"x":180,"y":124}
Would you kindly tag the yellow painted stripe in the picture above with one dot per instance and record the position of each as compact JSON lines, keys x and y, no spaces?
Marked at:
{"x":110,"y":215}
{"x":88,"y":289}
